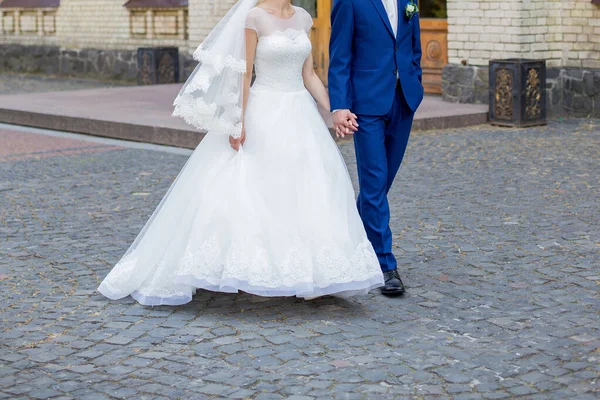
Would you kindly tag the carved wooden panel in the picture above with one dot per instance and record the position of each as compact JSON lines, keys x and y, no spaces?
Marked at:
{"x":517,"y":92}
{"x":503,"y":107}
{"x":533,"y":94}
{"x":434,"y":42}
{"x":158,"y":65}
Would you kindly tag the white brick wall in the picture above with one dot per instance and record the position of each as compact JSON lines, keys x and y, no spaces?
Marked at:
{"x":564,"y":32}
{"x":204,"y":15}
{"x":93,"y":24}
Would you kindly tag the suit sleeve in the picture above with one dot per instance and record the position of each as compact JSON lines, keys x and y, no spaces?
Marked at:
{"x":416,"y":46}
{"x":340,"y":54}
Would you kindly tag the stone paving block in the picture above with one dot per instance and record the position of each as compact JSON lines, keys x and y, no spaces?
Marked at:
{"x":522,"y":390}
{"x":501,"y":318}
{"x":469,"y":396}
{"x":242,"y":394}
{"x":154,"y":355}
{"x":119,"y":339}
{"x":268,"y":396}
{"x":44,"y":394}
{"x":214,"y":389}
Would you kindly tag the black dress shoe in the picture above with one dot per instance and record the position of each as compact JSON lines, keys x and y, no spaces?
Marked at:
{"x":393,"y":284}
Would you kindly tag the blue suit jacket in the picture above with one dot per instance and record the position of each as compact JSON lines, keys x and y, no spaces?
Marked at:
{"x":365,"y":57}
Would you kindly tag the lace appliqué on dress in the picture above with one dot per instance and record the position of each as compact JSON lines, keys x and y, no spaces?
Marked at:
{"x":253,"y":269}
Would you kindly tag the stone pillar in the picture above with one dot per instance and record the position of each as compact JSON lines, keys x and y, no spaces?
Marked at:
{"x":182,"y":24}
{"x":17,"y":22}
{"x":40,"y":22}
{"x":149,"y":24}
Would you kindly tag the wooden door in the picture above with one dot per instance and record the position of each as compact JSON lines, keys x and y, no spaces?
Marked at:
{"x":321,"y":30}
{"x":434,"y":41}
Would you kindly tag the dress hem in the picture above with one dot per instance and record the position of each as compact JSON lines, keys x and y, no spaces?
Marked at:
{"x":231,"y":285}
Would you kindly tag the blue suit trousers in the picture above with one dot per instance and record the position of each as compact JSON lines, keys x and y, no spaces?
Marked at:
{"x":380,"y":144}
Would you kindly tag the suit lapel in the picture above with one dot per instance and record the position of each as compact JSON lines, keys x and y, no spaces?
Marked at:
{"x":402,"y":19}
{"x":383,"y":14}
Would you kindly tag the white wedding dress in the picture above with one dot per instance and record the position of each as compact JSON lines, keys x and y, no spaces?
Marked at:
{"x":277,"y":218}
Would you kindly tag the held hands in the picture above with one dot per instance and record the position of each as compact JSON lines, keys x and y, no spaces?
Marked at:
{"x":236,"y":143}
{"x":344,"y":123}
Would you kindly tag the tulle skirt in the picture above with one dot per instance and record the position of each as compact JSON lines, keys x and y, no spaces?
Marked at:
{"x":277,"y":218}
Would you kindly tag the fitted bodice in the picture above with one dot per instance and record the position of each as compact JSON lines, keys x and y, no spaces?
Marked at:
{"x":283,"y":47}
{"x":279,"y":60}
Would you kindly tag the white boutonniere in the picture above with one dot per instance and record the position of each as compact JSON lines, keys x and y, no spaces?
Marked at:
{"x":411,"y":9}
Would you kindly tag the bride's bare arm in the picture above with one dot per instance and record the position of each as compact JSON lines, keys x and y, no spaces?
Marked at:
{"x":251,"y":42}
{"x":314,"y":84}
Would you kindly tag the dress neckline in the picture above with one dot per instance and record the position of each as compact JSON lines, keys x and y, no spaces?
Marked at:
{"x":276,"y":17}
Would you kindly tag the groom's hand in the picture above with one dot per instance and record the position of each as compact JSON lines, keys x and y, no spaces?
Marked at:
{"x":344,"y":123}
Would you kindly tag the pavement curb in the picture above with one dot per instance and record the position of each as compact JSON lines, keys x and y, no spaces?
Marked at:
{"x":111,"y":129}
{"x":180,"y":137}
{"x":450,"y":122}
{"x":143,"y":114}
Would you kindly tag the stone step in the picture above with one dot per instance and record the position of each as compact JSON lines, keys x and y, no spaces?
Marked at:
{"x":143,"y":113}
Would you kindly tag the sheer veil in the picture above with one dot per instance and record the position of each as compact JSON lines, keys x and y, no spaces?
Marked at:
{"x":211,"y":99}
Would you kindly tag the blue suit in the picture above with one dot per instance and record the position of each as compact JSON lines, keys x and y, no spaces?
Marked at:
{"x":378,"y":77}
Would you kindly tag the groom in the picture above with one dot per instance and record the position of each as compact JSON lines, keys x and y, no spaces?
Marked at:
{"x":375,"y":88}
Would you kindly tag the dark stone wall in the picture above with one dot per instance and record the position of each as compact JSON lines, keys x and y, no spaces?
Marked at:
{"x":581,"y":91}
{"x":31,"y":59}
{"x":114,"y":65}
{"x":569,"y":91}
{"x":465,"y":84}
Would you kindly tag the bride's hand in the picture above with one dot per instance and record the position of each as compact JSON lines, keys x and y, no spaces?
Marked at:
{"x":237,"y":142}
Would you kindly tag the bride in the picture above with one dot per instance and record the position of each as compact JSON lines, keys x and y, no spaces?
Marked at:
{"x":264,"y":204}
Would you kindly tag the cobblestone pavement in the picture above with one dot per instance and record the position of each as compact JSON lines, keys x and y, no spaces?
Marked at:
{"x":497,"y":235}
{"x":12,"y":83}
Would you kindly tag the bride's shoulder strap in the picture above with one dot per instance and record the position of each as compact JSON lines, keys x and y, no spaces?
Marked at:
{"x":255,"y":19}
{"x":251,"y":19}
{"x":307,"y":19}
